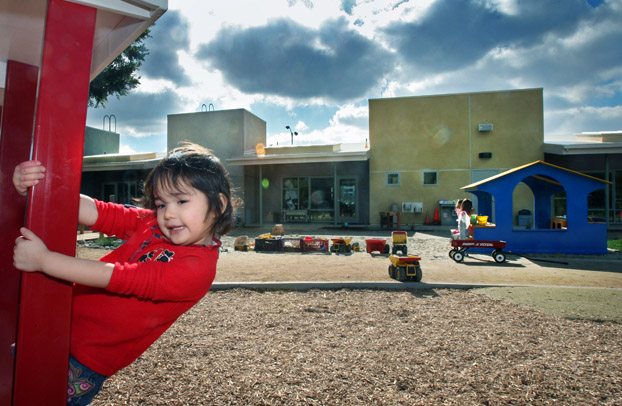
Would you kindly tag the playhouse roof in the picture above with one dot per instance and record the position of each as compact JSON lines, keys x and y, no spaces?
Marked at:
{"x":519,"y":168}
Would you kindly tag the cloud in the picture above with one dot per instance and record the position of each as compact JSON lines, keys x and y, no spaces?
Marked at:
{"x":454,"y":34}
{"x":286,"y":59}
{"x":137,"y":114}
{"x":348,"y":5}
{"x":169,"y":35}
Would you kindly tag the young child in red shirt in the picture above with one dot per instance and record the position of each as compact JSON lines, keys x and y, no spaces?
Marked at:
{"x":126,"y":300}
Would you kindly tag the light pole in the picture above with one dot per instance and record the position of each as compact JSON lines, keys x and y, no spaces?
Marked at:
{"x":292,"y":133}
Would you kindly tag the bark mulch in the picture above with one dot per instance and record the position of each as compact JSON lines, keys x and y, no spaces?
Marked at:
{"x":366,"y":347}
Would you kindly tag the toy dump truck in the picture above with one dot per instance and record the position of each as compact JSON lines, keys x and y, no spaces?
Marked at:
{"x":341,"y":245}
{"x":377,"y":244}
{"x":399,"y":240}
{"x":405,"y":268}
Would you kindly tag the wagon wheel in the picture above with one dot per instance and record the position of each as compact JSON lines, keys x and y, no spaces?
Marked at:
{"x":348,"y":248}
{"x":458,"y":256}
{"x":418,"y":273}
{"x":391,"y":271}
{"x":393,"y":250}
{"x":499,"y":256}
{"x":386,"y":249}
{"x":451,"y":253}
{"x":398,"y":273}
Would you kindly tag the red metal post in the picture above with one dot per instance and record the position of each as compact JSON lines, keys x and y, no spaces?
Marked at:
{"x":45,"y":304}
{"x":17,"y":124}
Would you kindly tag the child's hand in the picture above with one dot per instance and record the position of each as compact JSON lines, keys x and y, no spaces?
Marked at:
{"x":29,"y":252}
{"x":27,"y":174}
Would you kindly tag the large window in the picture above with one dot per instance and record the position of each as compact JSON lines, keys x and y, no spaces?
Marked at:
{"x":316,"y":195}
{"x":295,"y":193}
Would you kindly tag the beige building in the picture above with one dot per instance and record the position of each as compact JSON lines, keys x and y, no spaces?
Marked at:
{"x":424,"y":149}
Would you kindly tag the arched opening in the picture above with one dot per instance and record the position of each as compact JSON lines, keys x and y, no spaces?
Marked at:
{"x":545,"y":198}
{"x":522,"y":206}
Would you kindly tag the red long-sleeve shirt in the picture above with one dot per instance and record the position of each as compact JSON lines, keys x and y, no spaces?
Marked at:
{"x":153,"y":283}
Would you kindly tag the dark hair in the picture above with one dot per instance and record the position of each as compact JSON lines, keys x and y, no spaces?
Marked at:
{"x":199,"y":168}
{"x":467,"y":206}
{"x":459,"y":203}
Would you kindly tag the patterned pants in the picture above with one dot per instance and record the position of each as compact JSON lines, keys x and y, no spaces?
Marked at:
{"x":83,"y":383}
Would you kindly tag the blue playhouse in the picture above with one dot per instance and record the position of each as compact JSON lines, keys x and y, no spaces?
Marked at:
{"x":574,"y":234}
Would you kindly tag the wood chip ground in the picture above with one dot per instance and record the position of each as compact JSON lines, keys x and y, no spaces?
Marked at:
{"x":366,"y":347}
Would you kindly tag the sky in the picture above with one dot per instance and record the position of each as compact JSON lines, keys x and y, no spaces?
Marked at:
{"x":313,"y":65}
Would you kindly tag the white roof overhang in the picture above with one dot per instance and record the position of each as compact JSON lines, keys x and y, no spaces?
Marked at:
{"x":278,"y":159}
{"x":118,"y":24}
{"x":580,"y":148}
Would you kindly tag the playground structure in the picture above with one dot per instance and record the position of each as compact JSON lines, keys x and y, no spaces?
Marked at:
{"x":544,"y":180}
{"x":53,"y":49}
{"x":405,"y":268}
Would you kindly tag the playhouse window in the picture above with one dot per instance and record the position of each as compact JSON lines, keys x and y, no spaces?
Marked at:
{"x":392,"y":179}
{"x":430,"y":178}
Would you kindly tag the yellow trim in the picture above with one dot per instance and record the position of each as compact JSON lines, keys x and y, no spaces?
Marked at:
{"x":518,"y":168}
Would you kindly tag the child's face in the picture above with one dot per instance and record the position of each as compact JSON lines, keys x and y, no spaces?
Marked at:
{"x":184,"y":215}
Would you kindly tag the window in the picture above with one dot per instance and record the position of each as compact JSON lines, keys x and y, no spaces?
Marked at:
{"x":295,"y":193}
{"x":392,"y":179}
{"x":430,"y":178}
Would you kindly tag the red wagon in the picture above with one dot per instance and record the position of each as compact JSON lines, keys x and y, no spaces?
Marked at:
{"x":460,"y":247}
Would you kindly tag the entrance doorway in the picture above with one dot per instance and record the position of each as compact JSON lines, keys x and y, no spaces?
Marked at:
{"x":347,"y":204}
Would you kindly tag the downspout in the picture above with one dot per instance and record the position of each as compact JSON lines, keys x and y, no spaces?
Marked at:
{"x":607,"y":190}
{"x":470,"y":142}
{"x":336,"y":194}
{"x":260,"y":196}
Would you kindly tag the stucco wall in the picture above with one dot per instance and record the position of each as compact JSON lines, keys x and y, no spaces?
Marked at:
{"x":99,"y":142}
{"x":227,"y":133}
{"x":411,"y":135}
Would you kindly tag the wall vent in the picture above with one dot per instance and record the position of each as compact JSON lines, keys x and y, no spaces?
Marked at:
{"x":485,"y":127}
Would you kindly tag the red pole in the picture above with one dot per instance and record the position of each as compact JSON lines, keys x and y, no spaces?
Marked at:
{"x":45,"y":304}
{"x":17,"y":124}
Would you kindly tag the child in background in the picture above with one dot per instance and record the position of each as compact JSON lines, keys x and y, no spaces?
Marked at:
{"x":455,"y":232}
{"x":464,"y":220}
{"x":126,"y":300}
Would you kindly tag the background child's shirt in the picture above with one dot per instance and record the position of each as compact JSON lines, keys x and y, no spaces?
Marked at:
{"x":464,"y":221}
{"x":153,"y":283}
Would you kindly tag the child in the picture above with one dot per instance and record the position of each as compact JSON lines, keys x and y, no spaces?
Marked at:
{"x":464,"y":220}
{"x":455,"y":233}
{"x":125,"y":301}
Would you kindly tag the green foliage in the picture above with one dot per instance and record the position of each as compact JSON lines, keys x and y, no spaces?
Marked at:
{"x":108,"y":242}
{"x":119,"y":77}
{"x":615,"y":244}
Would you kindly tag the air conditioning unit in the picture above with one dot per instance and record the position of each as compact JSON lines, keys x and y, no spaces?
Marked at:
{"x":412,"y":207}
{"x":484,"y":127}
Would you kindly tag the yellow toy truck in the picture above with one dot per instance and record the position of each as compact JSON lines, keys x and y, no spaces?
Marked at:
{"x":405,"y":269}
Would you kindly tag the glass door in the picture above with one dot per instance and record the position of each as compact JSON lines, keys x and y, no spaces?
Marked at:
{"x":347,"y":204}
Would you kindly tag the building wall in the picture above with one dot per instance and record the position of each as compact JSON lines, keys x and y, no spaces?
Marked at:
{"x":227,"y":133}
{"x":99,"y":142}
{"x":412,"y":135}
